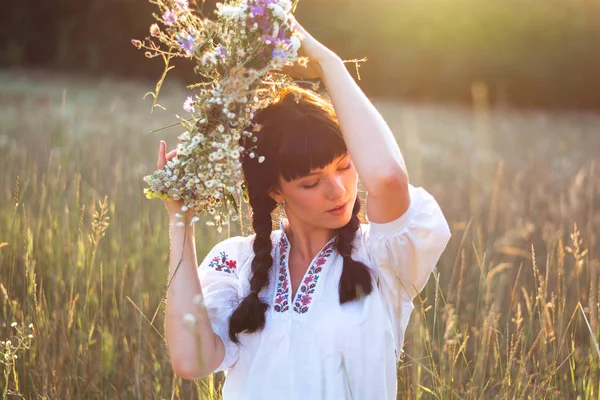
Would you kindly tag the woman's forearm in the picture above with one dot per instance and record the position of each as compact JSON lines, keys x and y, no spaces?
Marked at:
{"x":195,"y":350}
{"x":370,"y":141}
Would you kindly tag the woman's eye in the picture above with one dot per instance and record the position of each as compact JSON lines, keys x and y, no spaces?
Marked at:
{"x":346,"y":167}
{"x":311,"y":186}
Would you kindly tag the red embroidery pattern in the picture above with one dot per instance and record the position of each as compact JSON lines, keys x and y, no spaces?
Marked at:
{"x":283,"y":283}
{"x":221,"y":263}
{"x":307,"y":288}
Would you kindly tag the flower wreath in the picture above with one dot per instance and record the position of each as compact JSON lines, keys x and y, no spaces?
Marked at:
{"x":236,"y":55}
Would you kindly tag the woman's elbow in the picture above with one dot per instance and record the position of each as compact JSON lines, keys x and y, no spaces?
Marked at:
{"x":186,"y":373}
{"x":394,"y":180}
{"x":190,"y":371}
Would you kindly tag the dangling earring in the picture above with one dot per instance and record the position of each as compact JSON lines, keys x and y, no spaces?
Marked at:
{"x":282,"y":206}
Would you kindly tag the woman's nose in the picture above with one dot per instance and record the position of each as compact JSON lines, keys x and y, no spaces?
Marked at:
{"x":336,"y":188}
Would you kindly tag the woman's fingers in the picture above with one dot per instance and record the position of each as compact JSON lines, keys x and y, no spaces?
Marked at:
{"x":170,"y":155}
{"x":163,"y":156}
{"x":160,"y":163}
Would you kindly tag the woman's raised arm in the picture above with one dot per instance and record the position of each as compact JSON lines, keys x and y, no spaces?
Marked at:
{"x":370,"y":142}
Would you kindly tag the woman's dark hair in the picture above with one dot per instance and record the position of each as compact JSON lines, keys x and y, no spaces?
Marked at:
{"x":297,"y":133}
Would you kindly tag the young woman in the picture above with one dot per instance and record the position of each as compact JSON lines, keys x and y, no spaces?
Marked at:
{"x":318,"y":308}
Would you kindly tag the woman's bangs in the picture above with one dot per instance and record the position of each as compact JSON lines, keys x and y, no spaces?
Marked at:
{"x":309,"y":146}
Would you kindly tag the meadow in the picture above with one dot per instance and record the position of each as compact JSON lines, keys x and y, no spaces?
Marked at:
{"x":510,"y":313}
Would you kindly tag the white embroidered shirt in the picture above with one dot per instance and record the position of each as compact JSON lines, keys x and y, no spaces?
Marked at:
{"x":312,"y":347}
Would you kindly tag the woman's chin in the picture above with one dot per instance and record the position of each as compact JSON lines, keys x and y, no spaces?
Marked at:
{"x":339,"y":222}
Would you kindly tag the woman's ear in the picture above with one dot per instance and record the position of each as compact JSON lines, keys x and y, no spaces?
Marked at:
{"x":276,"y":196}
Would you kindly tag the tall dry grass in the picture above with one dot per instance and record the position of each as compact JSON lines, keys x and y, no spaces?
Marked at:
{"x":511,"y":312}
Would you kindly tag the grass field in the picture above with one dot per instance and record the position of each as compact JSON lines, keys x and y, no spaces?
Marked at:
{"x":511,"y":312}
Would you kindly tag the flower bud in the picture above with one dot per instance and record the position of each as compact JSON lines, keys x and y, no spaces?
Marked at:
{"x":154,"y":30}
{"x":136,"y":43}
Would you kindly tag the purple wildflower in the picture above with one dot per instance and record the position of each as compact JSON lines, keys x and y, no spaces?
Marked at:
{"x":279,"y":55}
{"x":169,"y":17}
{"x":258,"y":11}
{"x":188,"y":104}
{"x":187,"y":42}
{"x":221,"y":52}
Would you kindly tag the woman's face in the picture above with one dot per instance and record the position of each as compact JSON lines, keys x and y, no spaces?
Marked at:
{"x":324,"y":198}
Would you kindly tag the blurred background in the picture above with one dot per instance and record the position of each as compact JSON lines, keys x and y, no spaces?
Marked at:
{"x":494,"y":105}
{"x":530,"y":54}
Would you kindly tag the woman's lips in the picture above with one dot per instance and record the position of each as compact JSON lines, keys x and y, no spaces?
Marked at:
{"x":340,"y":210}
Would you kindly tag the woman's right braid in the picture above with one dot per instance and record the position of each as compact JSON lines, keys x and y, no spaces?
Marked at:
{"x":249,"y":316}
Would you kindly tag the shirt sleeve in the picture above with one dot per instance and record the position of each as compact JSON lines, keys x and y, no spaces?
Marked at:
{"x":221,"y":291}
{"x":405,"y":252}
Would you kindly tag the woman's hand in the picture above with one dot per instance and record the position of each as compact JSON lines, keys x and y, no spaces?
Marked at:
{"x":172,"y":206}
{"x":315,"y":51}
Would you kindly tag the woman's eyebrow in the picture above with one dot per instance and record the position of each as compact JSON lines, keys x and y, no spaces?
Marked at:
{"x":311,"y":174}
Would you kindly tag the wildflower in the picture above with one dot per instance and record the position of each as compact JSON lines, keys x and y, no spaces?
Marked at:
{"x":229,"y":12}
{"x":208,"y":24}
{"x":209,"y":58}
{"x":278,"y":11}
{"x":188,"y":105}
{"x":184,"y":135}
{"x":154,"y":30}
{"x":169,"y":17}
{"x":234,"y":154}
{"x":30,"y":326}
{"x":258,"y":10}
{"x":261,"y":159}
{"x":221,"y":52}
{"x":14,"y":324}
{"x":136,"y":43}
{"x":303,"y":61}
{"x":295,"y":44}
{"x":183,"y":5}
{"x":286,"y":5}
{"x":221,"y":128}
{"x":30,"y":336}
{"x":195,"y":219}
{"x":179,"y":224}
{"x":279,"y":55}
{"x":187,"y":42}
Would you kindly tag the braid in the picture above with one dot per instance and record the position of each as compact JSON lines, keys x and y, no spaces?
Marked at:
{"x":249,"y":316}
{"x":355,"y":281}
